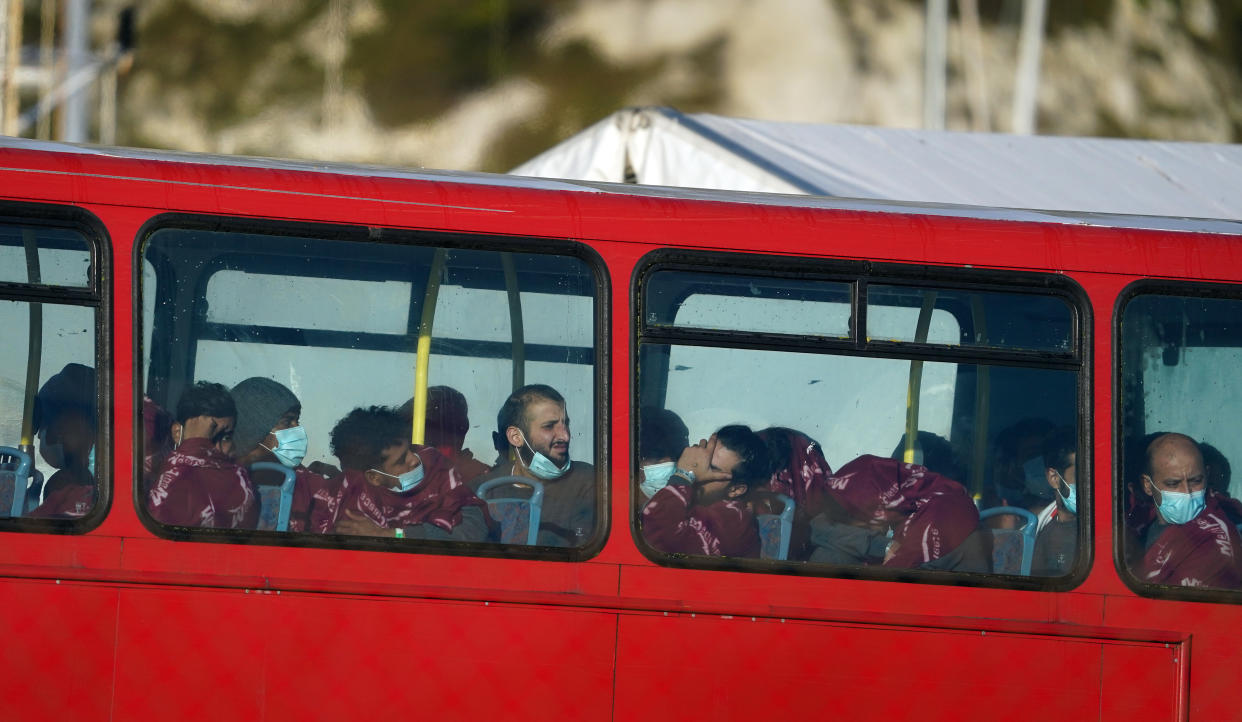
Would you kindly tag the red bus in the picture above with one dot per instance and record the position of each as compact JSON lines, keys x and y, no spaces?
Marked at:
{"x":947,"y":343}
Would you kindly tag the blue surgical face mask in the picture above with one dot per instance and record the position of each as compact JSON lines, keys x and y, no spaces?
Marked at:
{"x":1178,"y":507}
{"x":543,"y":467}
{"x":406,"y":481}
{"x":290,"y":445}
{"x":656,"y":476}
{"x":1069,"y":495}
{"x":90,"y":461}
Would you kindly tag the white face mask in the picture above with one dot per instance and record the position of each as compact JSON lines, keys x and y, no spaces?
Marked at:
{"x":1179,"y":507}
{"x":656,"y":476}
{"x":290,"y":446}
{"x":543,"y":467}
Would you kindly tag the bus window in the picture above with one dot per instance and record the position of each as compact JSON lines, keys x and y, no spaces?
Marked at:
{"x":340,"y":387}
{"x":1180,"y":435}
{"x":928,"y":443}
{"x":50,"y":455}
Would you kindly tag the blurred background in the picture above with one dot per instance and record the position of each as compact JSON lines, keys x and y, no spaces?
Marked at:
{"x":487,"y":84}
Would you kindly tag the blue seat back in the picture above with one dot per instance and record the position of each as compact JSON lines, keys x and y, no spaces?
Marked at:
{"x":1012,"y":549}
{"x":518,"y":516}
{"x":775,"y":530}
{"x":275,"y":501}
{"x":15,"y":468}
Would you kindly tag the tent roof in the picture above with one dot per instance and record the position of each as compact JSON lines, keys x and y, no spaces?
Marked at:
{"x":659,"y":146}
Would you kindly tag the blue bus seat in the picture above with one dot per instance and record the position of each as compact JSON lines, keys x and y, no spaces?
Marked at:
{"x":518,"y":516}
{"x":1012,"y":549}
{"x":775,"y":530}
{"x":275,"y":500}
{"x":14,"y":465}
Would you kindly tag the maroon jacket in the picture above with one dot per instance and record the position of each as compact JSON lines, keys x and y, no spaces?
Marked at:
{"x":312,"y":492}
{"x":200,"y":486}
{"x":70,"y":501}
{"x":1204,"y":552}
{"x":930,"y":515}
{"x":438,"y":500}
{"x":674,"y":525}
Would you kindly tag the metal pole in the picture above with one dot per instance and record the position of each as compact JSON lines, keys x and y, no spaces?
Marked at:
{"x":75,"y":115}
{"x":936,"y":29}
{"x":1026,"y":85}
{"x":12,"y":62}
{"x":47,"y":62}
{"x":976,"y":72}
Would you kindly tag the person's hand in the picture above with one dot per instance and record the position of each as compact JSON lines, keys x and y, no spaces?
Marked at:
{"x":323,"y":469}
{"x":201,"y":427}
{"x":698,"y":459}
{"x":359,"y":525}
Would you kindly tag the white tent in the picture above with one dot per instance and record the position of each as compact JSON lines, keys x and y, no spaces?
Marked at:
{"x":659,"y":146}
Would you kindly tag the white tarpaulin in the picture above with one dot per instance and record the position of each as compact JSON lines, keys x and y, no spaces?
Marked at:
{"x":659,"y":146}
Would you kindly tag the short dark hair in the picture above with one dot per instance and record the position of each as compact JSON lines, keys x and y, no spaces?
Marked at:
{"x":359,"y":439}
{"x":205,"y":399}
{"x":1059,"y":447}
{"x":661,"y":434}
{"x":513,"y":412}
{"x":757,"y":463}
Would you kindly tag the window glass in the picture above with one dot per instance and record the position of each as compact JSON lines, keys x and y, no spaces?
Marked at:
{"x":805,"y":457}
{"x":1002,"y":320}
{"x":49,"y":416}
{"x":748,"y":303}
{"x":315,"y":343}
{"x":1181,"y":433}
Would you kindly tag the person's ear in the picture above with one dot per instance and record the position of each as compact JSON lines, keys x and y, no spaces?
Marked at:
{"x":373,"y":477}
{"x":515,"y":437}
{"x":175,"y":431}
{"x":1149,"y":486}
{"x":735,"y":491}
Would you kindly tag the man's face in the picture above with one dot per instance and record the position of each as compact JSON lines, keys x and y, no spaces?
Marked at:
{"x":291,"y":418}
{"x":723,"y":460}
{"x":548,"y":431}
{"x":396,"y":460}
{"x":1175,"y":466}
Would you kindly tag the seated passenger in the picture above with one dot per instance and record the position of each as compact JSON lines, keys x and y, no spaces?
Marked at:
{"x":447,"y":422}
{"x":533,"y":438}
{"x":802,"y":474}
{"x":1017,"y":471}
{"x":933,"y":520}
{"x":199,"y":484}
{"x":156,"y":441}
{"x":662,"y":436}
{"x":703,"y":510}
{"x":268,"y":429}
{"x":390,"y":488}
{"x":1190,"y":542}
{"x":1057,"y":540}
{"x":65,"y":421}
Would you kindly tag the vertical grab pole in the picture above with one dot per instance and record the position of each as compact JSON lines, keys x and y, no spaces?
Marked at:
{"x":916,"y":379}
{"x":423,"y":359}
{"x":983,"y":391}
{"x":515,"y":321}
{"x":34,"y":353}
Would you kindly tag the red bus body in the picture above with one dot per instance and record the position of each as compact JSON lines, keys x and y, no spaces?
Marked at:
{"x":119,"y":623}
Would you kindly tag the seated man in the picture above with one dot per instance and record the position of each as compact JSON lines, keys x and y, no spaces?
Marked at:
{"x":447,"y":422}
{"x":533,"y":437}
{"x":65,"y":421}
{"x":269,"y":429}
{"x":933,"y":520}
{"x":1190,"y":542}
{"x":199,"y":484}
{"x":703,"y":510}
{"x":802,"y":474}
{"x":390,"y":488}
{"x":662,"y":436}
{"x":1057,"y":540}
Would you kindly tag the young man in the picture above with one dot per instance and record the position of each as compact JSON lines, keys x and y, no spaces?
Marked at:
{"x":662,"y":437}
{"x":269,"y":429}
{"x":446,"y":425}
{"x":533,"y":437}
{"x":703,"y":510}
{"x":200,"y":485}
{"x":65,"y":420}
{"x":390,"y":488}
{"x":1057,"y":540}
{"x":1190,"y":542}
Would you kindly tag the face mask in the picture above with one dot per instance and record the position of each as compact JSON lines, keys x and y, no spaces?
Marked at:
{"x":90,"y":461}
{"x":1069,"y":496}
{"x":290,"y":445}
{"x":406,"y":481}
{"x":656,"y":476}
{"x":542,"y":467}
{"x":1178,"y":508}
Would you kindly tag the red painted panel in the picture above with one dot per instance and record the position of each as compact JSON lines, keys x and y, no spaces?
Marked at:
{"x":56,"y":658}
{"x":194,"y":654}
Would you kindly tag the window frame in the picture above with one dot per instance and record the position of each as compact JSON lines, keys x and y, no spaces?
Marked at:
{"x":432,"y":239}
{"x":94,"y":295}
{"x":1172,"y":289}
{"x":858,"y":274}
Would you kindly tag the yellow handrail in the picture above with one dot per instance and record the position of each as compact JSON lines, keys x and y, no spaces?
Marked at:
{"x":916,"y":379}
{"x":422,"y":360}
